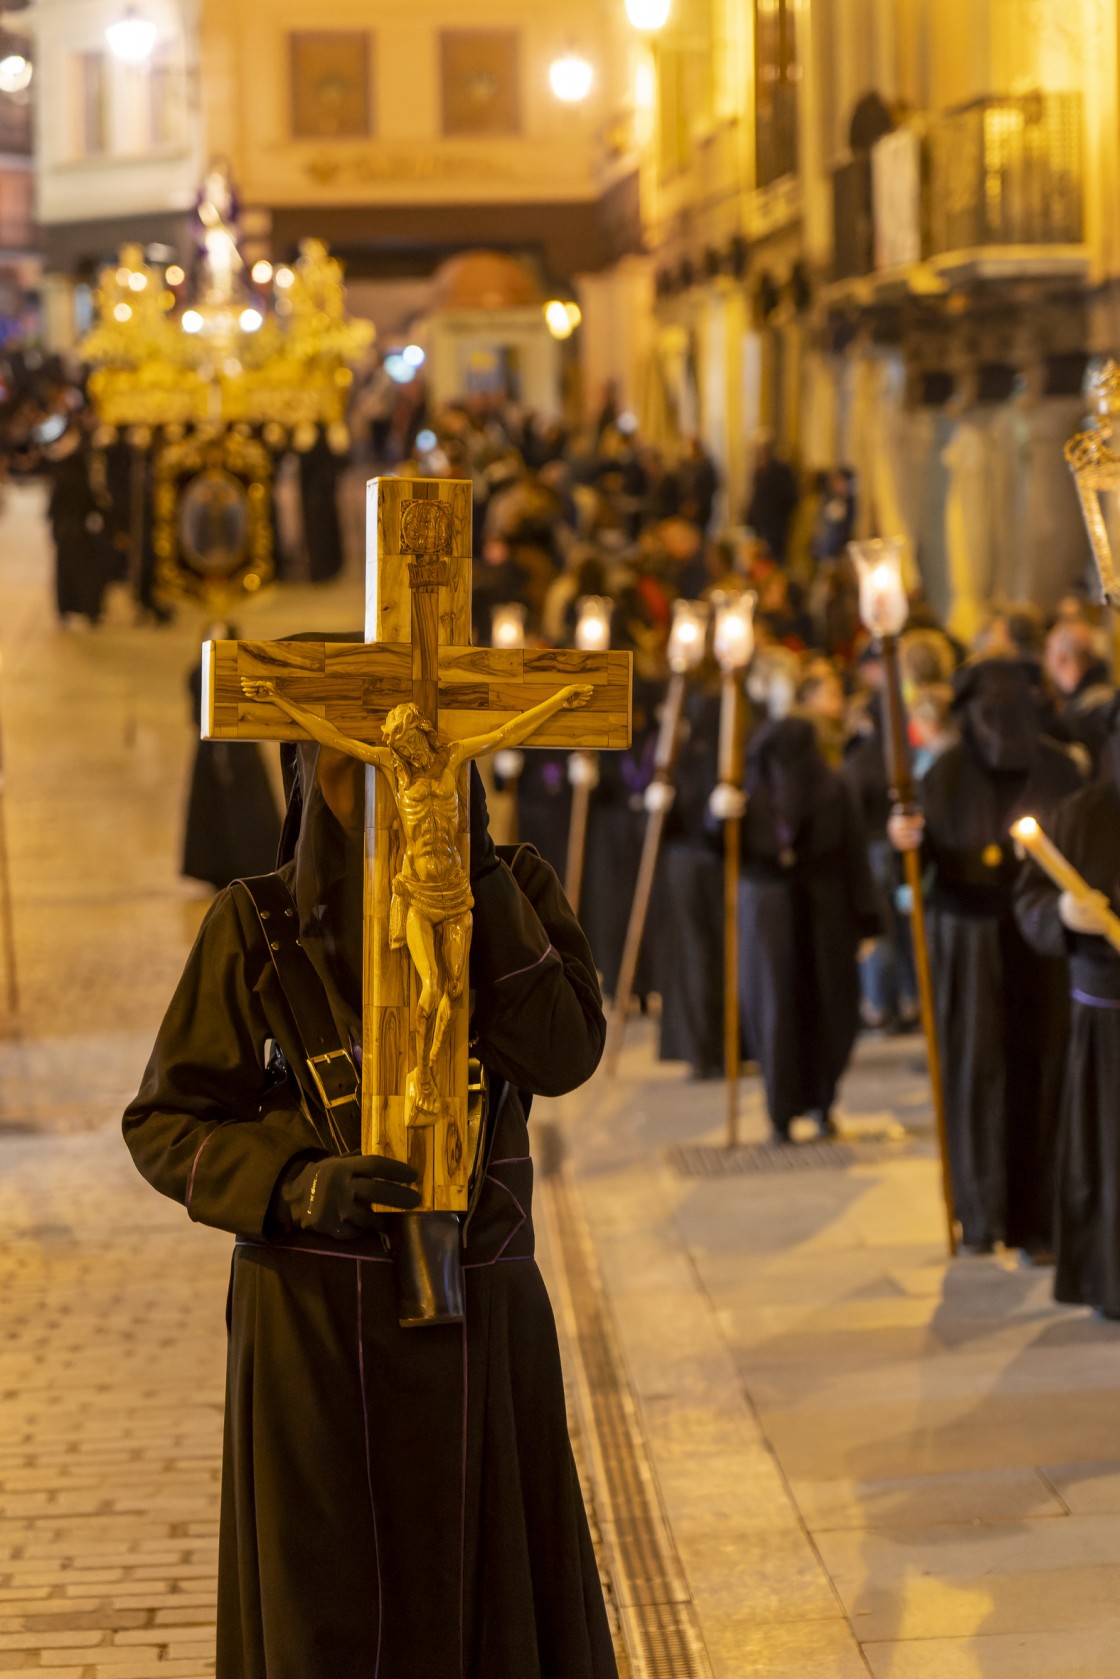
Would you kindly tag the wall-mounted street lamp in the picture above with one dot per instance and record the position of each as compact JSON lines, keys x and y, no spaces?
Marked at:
{"x":132,"y":38}
{"x":648,"y":15}
{"x":561,"y":318}
{"x":571,"y":78}
{"x":15,"y":72}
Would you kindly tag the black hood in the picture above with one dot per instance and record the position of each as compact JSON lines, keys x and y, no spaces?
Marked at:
{"x":997,"y":702}
{"x":328,"y":874}
{"x":784,"y":777}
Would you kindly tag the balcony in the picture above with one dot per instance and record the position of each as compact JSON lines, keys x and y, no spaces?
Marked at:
{"x":1006,"y":187}
{"x":991,"y":190}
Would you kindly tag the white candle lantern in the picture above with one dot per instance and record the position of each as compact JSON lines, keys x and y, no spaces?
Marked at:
{"x":688,"y":635}
{"x":883,"y":603}
{"x":733,"y":635}
{"x":507,"y":625}
{"x":593,"y":625}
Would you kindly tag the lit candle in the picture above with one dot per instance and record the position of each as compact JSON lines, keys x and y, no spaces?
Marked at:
{"x":688,"y":635}
{"x":1062,"y":872}
{"x":883,"y":605}
{"x":733,"y":636}
{"x":593,"y":626}
{"x":507,"y":625}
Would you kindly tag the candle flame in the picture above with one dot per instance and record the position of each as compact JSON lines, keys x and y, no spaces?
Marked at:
{"x":1025,"y":829}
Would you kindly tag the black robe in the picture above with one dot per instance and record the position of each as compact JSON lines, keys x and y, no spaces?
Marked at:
{"x":689,"y":903}
{"x":233,"y":825}
{"x":319,"y":472}
{"x":1002,"y":1010}
{"x":1086,"y":828}
{"x":806,"y":899}
{"x":616,"y":828}
{"x":397,"y":1503}
{"x":85,"y":562}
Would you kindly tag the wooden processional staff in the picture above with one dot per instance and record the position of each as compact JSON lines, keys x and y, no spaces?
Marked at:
{"x":415,"y":703}
{"x":593,"y":635}
{"x":884,"y":609}
{"x":687,"y":640}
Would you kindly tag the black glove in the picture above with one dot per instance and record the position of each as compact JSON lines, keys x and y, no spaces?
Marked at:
{"x":484,"y":858}
{"x":334,"y":1196}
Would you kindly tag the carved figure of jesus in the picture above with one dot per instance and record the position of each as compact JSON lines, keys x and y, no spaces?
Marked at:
{"x":431,"y":904}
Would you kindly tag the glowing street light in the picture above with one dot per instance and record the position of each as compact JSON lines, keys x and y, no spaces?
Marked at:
{"x":261,"y":272}
{"x":648,"y":15}
{"x":251,"y":320}
{"x":174,"y":275}
{"x":132,"y":38}
{"x":571,"y":78}
{"x":15,"y":73}
{"x":192,"y":321}
{"x":562,"y":318}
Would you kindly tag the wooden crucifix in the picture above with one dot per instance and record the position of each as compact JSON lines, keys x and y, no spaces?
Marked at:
{"x":416,"y":702}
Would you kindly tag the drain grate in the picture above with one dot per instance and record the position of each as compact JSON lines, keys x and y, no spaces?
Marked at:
{"x":659,"y":1619}
{"x":701,"y":1160}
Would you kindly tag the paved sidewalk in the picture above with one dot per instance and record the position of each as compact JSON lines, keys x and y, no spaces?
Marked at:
{"x":872,"y":1461}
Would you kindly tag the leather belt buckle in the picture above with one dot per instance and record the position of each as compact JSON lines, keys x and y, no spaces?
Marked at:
{"x":324,"y":1060}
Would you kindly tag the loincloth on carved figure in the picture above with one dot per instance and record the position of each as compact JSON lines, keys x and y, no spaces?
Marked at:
{"x":436,"y":901}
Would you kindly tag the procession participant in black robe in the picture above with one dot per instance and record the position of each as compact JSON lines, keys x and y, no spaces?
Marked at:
{"x":544,"y":806}
{"x":1086,"y":829}
{"x":395,"y":1502}
{"x":319,"y":472}
{"x":689,"y":897}
{"x":77,"y":509}
{"x":233,"y":825}
{"x":616,"y":826}
{"x":1002,"y":1010}
{"x":807,"y":900}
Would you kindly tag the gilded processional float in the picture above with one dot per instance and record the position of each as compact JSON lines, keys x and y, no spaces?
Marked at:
{"x":210,"y":378}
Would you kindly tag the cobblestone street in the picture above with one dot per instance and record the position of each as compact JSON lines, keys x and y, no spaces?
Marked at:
{"x":842,"y":1456}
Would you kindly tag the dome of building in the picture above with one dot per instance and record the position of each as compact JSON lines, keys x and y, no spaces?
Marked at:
{"x":486,"y":280}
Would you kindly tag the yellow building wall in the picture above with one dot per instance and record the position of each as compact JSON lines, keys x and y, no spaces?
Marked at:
{"x":555,"y":156}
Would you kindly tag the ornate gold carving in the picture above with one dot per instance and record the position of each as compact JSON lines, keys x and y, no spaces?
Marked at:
{"x":425,"y":528}
{"x":219,"y":463}
{"x":1095,"y":465}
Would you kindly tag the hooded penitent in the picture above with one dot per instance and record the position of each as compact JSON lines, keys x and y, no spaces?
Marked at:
{"x":394,"y":1501}
{"x":807,"y":898}
{"x":1086,"y":829}
{"x":1002,"y":1011}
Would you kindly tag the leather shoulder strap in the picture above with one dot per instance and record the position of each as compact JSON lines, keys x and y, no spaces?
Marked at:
{"x":323,"y":1066}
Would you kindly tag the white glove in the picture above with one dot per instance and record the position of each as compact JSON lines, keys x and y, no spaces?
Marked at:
{"x":658,"y":796}
{"x":726,"y":802}
{"x":1082,"y":916}
{"x":509,"y":764}
{"x":905,"y":830}
{"x":583,"y":769}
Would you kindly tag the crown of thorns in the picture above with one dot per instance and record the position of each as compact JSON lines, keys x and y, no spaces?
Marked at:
{"x":402,"y":720}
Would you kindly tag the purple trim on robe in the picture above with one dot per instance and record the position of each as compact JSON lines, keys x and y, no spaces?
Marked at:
{"x":528,"y":969}
{"x":1095,"y":1002}
{"x":194,"y":1167}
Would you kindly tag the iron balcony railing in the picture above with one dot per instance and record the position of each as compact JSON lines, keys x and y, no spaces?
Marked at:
{"x":1007,"y":171}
